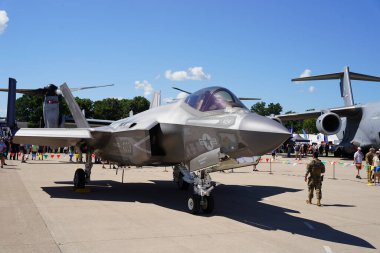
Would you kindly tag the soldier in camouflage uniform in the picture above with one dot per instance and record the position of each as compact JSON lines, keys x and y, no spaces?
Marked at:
{"x":315,"y":168}
{"x":369,"y":161}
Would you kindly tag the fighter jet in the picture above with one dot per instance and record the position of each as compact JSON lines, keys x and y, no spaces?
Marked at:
{"x":355,"y":125}
{"x":207,"y":131}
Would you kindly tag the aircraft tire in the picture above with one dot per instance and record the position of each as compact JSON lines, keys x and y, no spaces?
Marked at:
{"x":193,"y":204}
{"x":208,"y":207}
{"x":182,"y":185}
{"x":79,"y":179}
{"x":338,"y":152}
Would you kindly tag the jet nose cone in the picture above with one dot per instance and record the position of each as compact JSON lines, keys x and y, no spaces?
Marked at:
{"x":261,"y":134}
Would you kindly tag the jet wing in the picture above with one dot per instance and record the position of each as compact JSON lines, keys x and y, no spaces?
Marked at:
{"x":59,"y":137}
{"x":341,"y":111}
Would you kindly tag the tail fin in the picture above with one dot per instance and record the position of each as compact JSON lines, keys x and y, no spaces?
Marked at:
{"x":77,"y":114}
{"x":11,"y":108}
{"x":156,"y":100}
{"x":345,"y":82}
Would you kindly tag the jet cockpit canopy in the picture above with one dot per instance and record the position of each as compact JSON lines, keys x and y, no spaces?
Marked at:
{"x":213,"y":98}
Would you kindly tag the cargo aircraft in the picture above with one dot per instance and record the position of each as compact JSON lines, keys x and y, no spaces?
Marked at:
{"x":207,"y":131}
{"x":356,"y":125}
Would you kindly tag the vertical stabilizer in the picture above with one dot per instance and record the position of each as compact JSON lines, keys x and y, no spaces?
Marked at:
{"x":345,"y":82}
{"x":11,"y":108}
{"x":77,"y":114}
{"x":156,"y":100}
{"x":345,"y":87}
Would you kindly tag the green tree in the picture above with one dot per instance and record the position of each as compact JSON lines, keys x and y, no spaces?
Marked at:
{"x":29,"y":109}
{"x":139,"y":104}
{"x":109,"y":108}
{"x":85,"y":104}
{"x":310,"y":126}
{"x":126,"y":107}
{"x":274,"y":109}
{"x":263,"y":110}
{"x":259,"y":108}
{"x":296,"y":125}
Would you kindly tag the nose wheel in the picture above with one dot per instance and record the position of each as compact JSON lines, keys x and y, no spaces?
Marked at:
{"x":193,"y":204}
{"x":201,"y":199}
{"x":196,"y":203}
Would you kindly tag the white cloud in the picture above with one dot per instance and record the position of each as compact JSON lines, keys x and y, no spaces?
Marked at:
{"x":147,"y":87}
{"x":311,"y":89}
{"x":3,"y":20}
{"x":306,"y":73}
{"x":194,"y":73}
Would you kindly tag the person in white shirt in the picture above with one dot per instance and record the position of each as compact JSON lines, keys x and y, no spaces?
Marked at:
{"x":358,"y":159}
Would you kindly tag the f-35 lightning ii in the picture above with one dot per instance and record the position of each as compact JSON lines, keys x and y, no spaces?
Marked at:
{"x":205,"y":132}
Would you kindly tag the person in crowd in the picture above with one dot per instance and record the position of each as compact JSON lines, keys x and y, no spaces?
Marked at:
{"x":327,"y":148}
{"x":289,"y":148}
{"x":376,"y":165}
{"x":34,"y":152}
{"x":3,"y":148}
{"x":297,"y":151}
{"x":274,"y":155}
{"x":320,"y":149}
{"x":15,"y":149}
{"x":301,"y":151}
{"x":71,"y":153}
{"x":358,"y":159}
{"x":23,"y":151}
{"x":369,"y":161}
{"x":305,"y":149}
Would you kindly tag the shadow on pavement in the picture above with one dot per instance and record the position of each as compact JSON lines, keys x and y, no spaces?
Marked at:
{"x":337,"y":205}
{"x":240,"y":203}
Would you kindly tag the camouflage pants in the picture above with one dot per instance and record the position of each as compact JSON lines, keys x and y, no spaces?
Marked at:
{"x":369,"y":174}
{"x":317,"y":185}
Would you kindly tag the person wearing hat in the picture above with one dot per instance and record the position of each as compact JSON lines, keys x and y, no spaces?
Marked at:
{"x":314,"y":182}
{"x":358,"y":159}
{"x":369,"y":161}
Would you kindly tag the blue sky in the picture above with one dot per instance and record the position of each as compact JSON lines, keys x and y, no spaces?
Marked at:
{"x":253,"y":48}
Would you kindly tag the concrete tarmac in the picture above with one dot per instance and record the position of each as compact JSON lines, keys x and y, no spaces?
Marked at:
{"x":254,"y":211}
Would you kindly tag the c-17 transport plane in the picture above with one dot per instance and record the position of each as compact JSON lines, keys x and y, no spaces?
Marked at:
{"x":355,"y":125}
{"x":206,"y":132}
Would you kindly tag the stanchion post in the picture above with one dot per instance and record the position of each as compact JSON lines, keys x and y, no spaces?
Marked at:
{"x":334,"y":171}
{"x":270,"y":166}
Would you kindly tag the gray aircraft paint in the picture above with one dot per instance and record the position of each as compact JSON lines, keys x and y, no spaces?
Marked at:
{"x":172,"y":134}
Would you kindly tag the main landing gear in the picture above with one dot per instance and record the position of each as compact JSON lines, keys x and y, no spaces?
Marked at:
{"x":200,"y":198}
{"x":81,"y":177}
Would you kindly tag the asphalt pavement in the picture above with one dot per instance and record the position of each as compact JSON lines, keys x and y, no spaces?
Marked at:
{"x":255,"y":211}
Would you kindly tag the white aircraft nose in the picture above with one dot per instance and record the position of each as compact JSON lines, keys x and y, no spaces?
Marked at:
{"x":261,"y":134}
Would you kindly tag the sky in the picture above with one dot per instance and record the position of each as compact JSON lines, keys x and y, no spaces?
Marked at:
{"x":254,"y":48}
